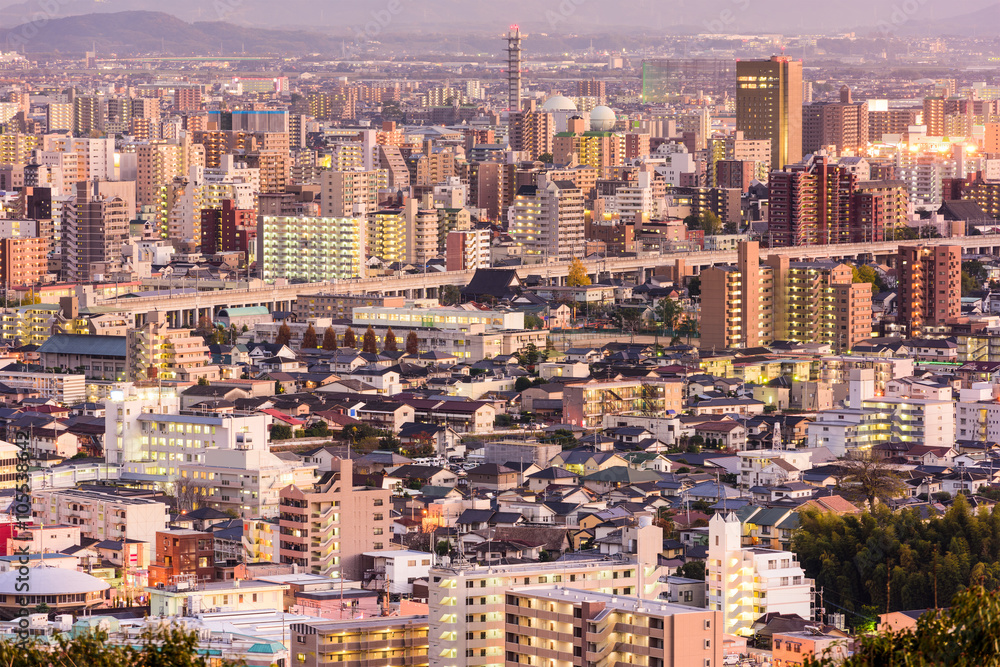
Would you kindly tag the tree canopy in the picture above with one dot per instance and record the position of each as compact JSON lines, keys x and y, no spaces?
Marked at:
{"x":350,"y":340}
{"x":577,"y":276}
{"x":329,"y":339}
{"x":369,"y":343}
{"x":389,"y":342}
{"x":284,"y":334}
{"x":169,"y":647}
{"x":853,"y":557}
{"x":967,"y":634}
{"x":310,"y":340}
{"x":412,"y":343}
{"x":868,"y":274}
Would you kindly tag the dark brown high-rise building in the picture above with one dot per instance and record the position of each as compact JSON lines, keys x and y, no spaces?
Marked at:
{"x":228,"y":229}
{"x":843,"y":125}
{"x":95,"y":228}
{"x":930,"y":285}
{"x":769,"y":106}
{"x":810,"y":204}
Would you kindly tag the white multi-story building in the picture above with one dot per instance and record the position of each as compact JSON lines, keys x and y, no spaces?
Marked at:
{"x":395,"y":570}
{"x":440,"y":318}
{"x":101,"y":515}
{"x":767,"y":467}
{"x":98,"y":154}
{"x":246,"y":481}
{"x":148,"y":435}
{"x":977,"y":413}
{"x":744,"y":583}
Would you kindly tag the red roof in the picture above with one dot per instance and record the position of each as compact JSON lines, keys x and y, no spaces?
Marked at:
{"x":281,"y":416}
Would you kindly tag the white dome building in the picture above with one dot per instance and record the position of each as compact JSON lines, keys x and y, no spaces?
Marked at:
{"x":602,"y":119}
{"x":559,"y":103}
{"x":62,"y":591}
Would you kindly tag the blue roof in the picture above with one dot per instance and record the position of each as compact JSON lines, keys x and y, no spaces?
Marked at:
{"x":86,"y":344}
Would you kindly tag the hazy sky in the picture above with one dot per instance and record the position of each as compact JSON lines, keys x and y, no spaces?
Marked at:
{"x":552,"y":16}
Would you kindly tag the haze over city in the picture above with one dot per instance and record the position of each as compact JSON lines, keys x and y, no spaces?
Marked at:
{"x":516,"y":334}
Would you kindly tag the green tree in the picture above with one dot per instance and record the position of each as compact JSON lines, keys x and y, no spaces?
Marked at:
{"x":522,"y":383}
{"x":389,"y":342}
{"x":668,"y":311}
{"x":203,"y":382}
{"x":706,"y":221}
{"x":530,"y":355}
{"x":310,"y":341}
{"x":281,"y":432}
{"x":546,"y":158}
{"x":868,"y":274}
{"x":442,"y":548}
{"x":450,"y":295}
{"x":532,"y":321}
{"x":284,"y":334}
{"x":369,"y":343}
{"x":577,"y":274}
{"x":412,"y":343}
{"x":694,"y":287}
{"x":162,"y":647}
{"x":350,"y":340}
{"x":967,"y":634}
{"x":329,"y":339}
{"x":694,"y":569}
{"x":865,"y":476}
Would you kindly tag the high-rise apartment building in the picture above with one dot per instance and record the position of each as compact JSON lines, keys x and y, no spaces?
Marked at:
{"x":930,"y":285}
{"x":810,"y":203}
{"x":157,"y":165}
{"x":769,"y":106}
{"x":88,"y":116}
{"x":348,"y":194}
{"x":819,"y":302}
{"x":737,"y":302}
{"x":422,"y":230}
{"x":157,"y":351}
{"x":532,"y":132}
{"x":310,"y":248}
{"x":756,"y":302}
{"x":934,"y":116}
{"x":387,"y":235}
{"x":59,"y":116}
{"x":96,"y":226}
{"x":547,"y":219}
{"x":326,"y":529}
{"x":843,"y":125}
{"x":23,"y":260}
{"x":187,"y":98}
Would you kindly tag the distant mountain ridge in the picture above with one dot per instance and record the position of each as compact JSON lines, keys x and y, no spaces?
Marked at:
{"x":138,"y":32}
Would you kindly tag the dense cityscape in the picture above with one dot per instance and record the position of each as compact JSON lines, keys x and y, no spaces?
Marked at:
{"x":406,"y":338}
